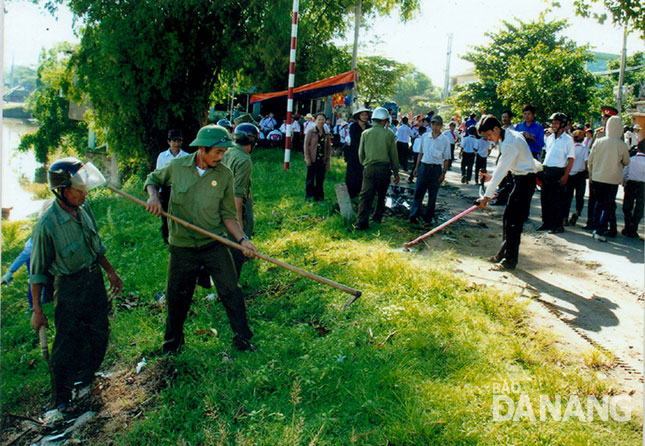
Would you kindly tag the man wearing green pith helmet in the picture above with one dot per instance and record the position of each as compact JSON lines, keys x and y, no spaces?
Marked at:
{"x":203,"y":193}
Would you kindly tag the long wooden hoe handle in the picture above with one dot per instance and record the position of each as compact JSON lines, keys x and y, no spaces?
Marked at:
{"x":355,"y":293}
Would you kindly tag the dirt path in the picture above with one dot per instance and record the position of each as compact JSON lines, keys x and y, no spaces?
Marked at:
{"x":587,"y":292}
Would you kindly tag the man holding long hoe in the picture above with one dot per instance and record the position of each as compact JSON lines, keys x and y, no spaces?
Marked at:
{"x":515,"y":157}
{"x":203,"y":193}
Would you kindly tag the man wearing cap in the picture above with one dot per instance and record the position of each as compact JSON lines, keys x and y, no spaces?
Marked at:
{"x":238,"y":159}
{"x":354,"y":173}
{"x":558,"y":162}
{"x":175,"y":139}
{"x":67,"y":246}
{"x":432,"y":165}
{"x":203,"y":193}
{"x":377,"y":153}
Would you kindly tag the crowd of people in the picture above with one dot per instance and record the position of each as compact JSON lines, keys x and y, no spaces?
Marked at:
{"x":211,"y":188}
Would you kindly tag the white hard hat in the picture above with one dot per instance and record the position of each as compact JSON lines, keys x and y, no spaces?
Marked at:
{"x":381,"y":113}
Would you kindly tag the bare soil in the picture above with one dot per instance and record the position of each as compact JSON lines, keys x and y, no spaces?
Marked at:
{"x":588,"y":293}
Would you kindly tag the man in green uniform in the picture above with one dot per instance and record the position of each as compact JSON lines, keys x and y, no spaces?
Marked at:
{"x":66,"y":245}
{"x":203,"y":194}
{"x":377,"y":153}
{"x":238,"y":159}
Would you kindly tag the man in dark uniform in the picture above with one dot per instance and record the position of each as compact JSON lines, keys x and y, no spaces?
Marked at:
{"x":203,"y":194}
{"x":238,"y":159}
{"x":354,"y":174}
{"x":66,"y":245}
{"x":377,"y":153}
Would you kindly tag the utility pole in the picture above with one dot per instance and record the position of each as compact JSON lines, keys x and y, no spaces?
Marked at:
{"x":621,"y":76}
{"x":446,"y":82}
{"x":357,"y":25}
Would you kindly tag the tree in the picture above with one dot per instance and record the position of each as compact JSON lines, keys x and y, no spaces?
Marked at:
{"x":49,"y":103}
{"x":528,"y":62}
{"x":415,"y":91}
{"x":624,"y":12}
{"x":634,"y":83}
{"x":149,"y":66}
{"x":377,"y":78}
{"x":21,"y":75}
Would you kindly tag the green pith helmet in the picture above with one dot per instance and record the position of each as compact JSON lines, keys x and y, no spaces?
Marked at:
{"x":212,"y":136}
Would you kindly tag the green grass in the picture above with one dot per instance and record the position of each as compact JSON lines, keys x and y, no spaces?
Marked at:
{"x":321,"y":376}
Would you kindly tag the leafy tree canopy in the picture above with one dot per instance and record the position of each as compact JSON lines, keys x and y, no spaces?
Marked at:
{"x":49,"y":103}
{"x":528,"y":62}
{"x":148,"y":66}
{"x":624,"y":12}
{"x":415,"y":91}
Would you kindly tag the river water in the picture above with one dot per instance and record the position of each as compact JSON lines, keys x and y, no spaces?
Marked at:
{"x":16,"y":165}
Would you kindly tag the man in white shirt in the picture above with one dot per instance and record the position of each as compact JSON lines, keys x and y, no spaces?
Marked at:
{"x":403,"y":143}
{"x":268,"y":123}
{"x":467,"y":154}
{"x":557,"y":166}
{"x":431,"y":167}
{"x":453,"y":138}
{"x":175,"y":139}
{"x":515,"y":157}
{"x":577,"y":182}
{"x":634,"y":183}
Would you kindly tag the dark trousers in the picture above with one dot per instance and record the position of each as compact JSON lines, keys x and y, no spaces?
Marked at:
{"x":605,"y":211}
{"x":315,"y":179}
{"x":576,"y":185}
{"x":82,"y":330}
{"x":552,"y":197}
{"x":164,"y":195}
{"x":428,"y":181}
{"x":467,"y":161}
{"x":591,"y":207}
{"x":504,"y":189}
{"x":354,"y":178}
{"x":515,"y":214}
{"x":376,"y":179}
{"x":183,"y":267}
{"x":480,"y":166}
{"x":452,"y":154}
{"x":403,"y":149}
{"x":633,"y":206}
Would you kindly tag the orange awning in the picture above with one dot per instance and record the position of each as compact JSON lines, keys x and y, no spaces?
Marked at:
{"x":318,"y":89}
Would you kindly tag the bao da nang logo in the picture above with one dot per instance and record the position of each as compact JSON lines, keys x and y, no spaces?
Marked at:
{"x":511,"y":404}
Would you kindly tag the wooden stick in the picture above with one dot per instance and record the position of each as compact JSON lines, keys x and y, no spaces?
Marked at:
{"x":355,"y":293}
{"x":44,"y":348}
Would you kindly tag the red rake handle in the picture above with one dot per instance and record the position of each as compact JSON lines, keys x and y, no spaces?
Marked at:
{"x":441,"y":226}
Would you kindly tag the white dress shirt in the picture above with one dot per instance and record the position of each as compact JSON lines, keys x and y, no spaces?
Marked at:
{"x":635,"y":170}
{"x":166,"y":156}
{"x":469,"y":144}
{"x":483,"y":147}
{"x":452,"y":136}
{"x":403,"y":134}
{"x":435,"y":150}
{"x":558,"y":150}
{"x":516,"y":157}
{"x":582,"y":154}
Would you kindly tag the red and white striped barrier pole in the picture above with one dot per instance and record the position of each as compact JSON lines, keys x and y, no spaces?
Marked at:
{"x":292,"y":77}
